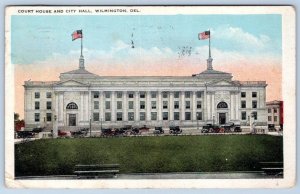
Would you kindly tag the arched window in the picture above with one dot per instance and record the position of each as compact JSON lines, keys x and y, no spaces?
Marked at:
{"x":72,"y":105}
{"x":222,"y":105}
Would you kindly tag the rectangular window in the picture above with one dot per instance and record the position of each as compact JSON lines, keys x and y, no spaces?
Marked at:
{"x":199,"y":104}
{"x":107,"y":94}
{"x":187,"y":116}
{"x":142,"y":95}
{"x":275,"y":118}
{"x":119,"y":94}
{"x":107,"y":104}
{"x":36,"y":95}
{"x":176,"y":104}
{"x":119,"y":104}
{"x":142,"y":104}
{"x":119,"y":116}
{"x":95,"y":116}
{"x":153,"y":104}
{"x":153,"y":116}
{"x":187,"y":94}
{"x":269,"y":118}
{"x":96,"y":94}
{"x":36,"y":105}
{"x":107,"y":116}
{"x":165,"y":116}
{"x":254,"y":94}
{"x":165,"y":94}
{"x":275,"y":110}
{"x":130,"y":95}
{"x":37,"y":117}
{"x":96,"y":104}
{"x":254,"y":115}
{"x":243,"y":104}
{"x":49,"y":105}
{"x":130,"y":116}
{"x":244,"y":115}
{"x":176,"y":94}
{"x":130,"y":104}
{"x":142,"y":116}
{"x":176,"y":116}
{"x":198,"y":94}
{"x":269,"y":110}
{"x":199,"y":116}
{"x":48,"y":117}
{"x":48,"y":95}
{"x":254,"y":104}
{"x":187,"y":104}
{"x":153,"y":94}
{"x":243,"y":94}
{"x":165,"y":104}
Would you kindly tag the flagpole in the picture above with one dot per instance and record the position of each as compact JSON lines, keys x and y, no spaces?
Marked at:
{"x":209,"y":44}
{"x":81,"y":42}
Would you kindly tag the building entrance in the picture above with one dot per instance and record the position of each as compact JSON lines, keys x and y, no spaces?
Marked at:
{"x":222,"y":118}
{"x":72,"y":119}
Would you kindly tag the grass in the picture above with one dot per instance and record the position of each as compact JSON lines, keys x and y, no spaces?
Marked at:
{"x":215,"y":153}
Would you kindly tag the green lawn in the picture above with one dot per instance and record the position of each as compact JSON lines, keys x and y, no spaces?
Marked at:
{"x":149,"y":154}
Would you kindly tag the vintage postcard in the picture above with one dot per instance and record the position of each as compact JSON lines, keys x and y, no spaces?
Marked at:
{"x":150,"y":97}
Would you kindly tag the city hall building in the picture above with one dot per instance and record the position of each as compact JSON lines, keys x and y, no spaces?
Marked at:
{"x":82,"y":99}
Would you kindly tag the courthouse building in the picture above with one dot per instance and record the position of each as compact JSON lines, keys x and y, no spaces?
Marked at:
{"x":80,"y":99}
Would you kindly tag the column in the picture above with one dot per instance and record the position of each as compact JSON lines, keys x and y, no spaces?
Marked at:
{"x":237,"y":102}
{"x":113,"y":107}
{"x":194,"y":106}
{"x":136,"y":106}
{"x":232,"y":110}
{"x":89,"y":105}
{"x":61,"y":109}
{"x":204,"y":109}
{"x":214,"y":116}
{"x":102,"y":104}
{"x":182,"y":106}
{"x":159,"y":112}
{"x":86,"y":106}
{"x":171,"y":106}
{"x":208,"y":107}
{"x":124,"y":106}
{"x":55,"y":119}
{"x":148,"y":106}
{"x":81,"y":107}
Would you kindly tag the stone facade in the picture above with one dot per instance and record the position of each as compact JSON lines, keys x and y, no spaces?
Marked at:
{"x":81,"y":97}
{"x":275,"y":113}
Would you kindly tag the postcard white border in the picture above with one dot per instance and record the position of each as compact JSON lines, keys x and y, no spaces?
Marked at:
{"x":288,"y":93}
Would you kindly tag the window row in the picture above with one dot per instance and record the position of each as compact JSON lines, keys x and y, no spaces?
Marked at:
{"x":244,"y":115}
{"x":270,"y":110}
{"x":270,"y":118}
{"x":244,"y":104}
{"x":48,"y":117}
{"x":143,"y":94}
{"x":37,"y":105}
{"x":142,"y":105}
{"x":142,"y":116}
{"x":38,"y":95}
{"x":254,"y":94}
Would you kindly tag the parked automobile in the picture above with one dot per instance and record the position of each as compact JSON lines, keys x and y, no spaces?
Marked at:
{"x":175,"y":130}
{"x":135,"y":131}
{"x":271,"y":127}
{"x":210,"y":128}
{"x":230,"y":127}
{"x":107,"y":132}
{"x":144,"y":129}
{"x":158,"y":130}
{"x":25,"y":134}
{"x":80,"y":133}
{"x":37,"y":130}
{"x":64,"y":133}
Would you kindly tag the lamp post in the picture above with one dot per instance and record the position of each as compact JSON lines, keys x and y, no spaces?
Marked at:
{"x":213,"y":119}
{"x":197,"y":117}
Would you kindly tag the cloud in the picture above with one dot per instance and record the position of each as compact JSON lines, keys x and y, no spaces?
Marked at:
{"x":241,"y":39}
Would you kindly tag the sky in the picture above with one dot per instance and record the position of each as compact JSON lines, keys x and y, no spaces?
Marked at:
{"x":248,"y":46}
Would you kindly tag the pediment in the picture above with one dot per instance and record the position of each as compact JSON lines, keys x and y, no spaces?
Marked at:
{"x":70,"y":83}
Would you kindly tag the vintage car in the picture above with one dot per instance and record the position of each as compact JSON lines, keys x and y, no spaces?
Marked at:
{"x":62,"y":133}
{"x":210,"y":128}
{"x":175,"y":130}
{"x":230,"y":127}
{"x":37,"y":130}
{"x":25,"y":134}
{"x":80,"y":133}
{"x":144,"y":129}
{"x":158,"y":130}
{"x":271,"y":127}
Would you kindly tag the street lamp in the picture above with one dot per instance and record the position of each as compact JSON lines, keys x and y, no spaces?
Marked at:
{"x":197,"y":117}
{"x":213,"y":119}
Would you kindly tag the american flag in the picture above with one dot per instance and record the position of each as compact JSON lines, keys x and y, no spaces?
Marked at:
{"x":76,"y":34}
{"x":204,"y":35}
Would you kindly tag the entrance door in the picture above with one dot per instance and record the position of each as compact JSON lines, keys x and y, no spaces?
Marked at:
{"x":72,"y":119}
{"x":222,"y":118}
